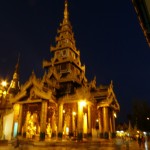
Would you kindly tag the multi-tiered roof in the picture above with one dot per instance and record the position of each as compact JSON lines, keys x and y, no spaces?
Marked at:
{"x":66,"y":66}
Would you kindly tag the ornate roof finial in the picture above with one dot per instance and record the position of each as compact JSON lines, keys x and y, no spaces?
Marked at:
{"x":66,"y":14}
{"x":17,"y":65}
{"x":111,"y":83}
{"x":16,"y":72}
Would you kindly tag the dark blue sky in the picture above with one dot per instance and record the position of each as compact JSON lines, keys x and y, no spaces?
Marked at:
{"x":107,"y":33}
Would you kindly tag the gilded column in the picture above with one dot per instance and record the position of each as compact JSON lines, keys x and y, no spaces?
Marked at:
{"x":43,"y":120}
{"x":20,"y":119}
{"x":53,"y":125}
{"x":89,"y":120}
{"x":110,"y":126}
{"x":70,"y":123}
{"x":113,"y":122}
{"x":80,"y":121}
{"x":100,"y":120}
{"x":73,"y":121}
{"x":60,"y":120}
{"x":105,"y":121}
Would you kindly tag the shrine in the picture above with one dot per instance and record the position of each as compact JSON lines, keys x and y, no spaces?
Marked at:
{"x":63,"y":103}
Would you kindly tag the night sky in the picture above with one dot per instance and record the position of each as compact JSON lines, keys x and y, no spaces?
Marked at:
{"x":107,"y":33}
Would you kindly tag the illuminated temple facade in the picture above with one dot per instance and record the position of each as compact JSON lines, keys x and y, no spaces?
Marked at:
{"x":63,"y":103}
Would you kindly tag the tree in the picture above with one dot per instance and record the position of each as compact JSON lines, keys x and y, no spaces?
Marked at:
{"x":141,"y":113}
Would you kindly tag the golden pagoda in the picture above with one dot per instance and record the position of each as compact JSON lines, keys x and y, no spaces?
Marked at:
{"x":63,"y":103}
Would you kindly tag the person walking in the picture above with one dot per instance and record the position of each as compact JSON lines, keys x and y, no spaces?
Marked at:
{"x":16,"y":143}
{"x":139,"y":141}
{"x":143,"y":141}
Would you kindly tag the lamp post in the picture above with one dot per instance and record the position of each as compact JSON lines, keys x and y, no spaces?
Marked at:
{"x":3,"y":90}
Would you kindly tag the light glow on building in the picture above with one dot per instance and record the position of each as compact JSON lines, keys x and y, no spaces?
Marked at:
{"x":82,"y":103}
{"x":4,"y":83}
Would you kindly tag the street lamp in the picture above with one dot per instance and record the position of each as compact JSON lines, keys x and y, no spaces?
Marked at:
{"x":115,"y":115}
{"x":3,"y":88}
{"x":4,"y":83}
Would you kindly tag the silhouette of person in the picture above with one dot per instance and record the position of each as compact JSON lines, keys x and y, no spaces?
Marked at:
{"x":139,"y":141}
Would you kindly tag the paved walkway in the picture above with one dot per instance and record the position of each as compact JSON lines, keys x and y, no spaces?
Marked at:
{"x":84,"y":145}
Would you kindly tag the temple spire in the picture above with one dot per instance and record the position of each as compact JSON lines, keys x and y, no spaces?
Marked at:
{"x":16,"y":72}
{"x":14,"y":85}
{"x":66,"y":13}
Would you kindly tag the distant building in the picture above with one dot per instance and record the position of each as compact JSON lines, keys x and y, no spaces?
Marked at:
{"x":62,"y":102}
{"x":142,"y":8}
